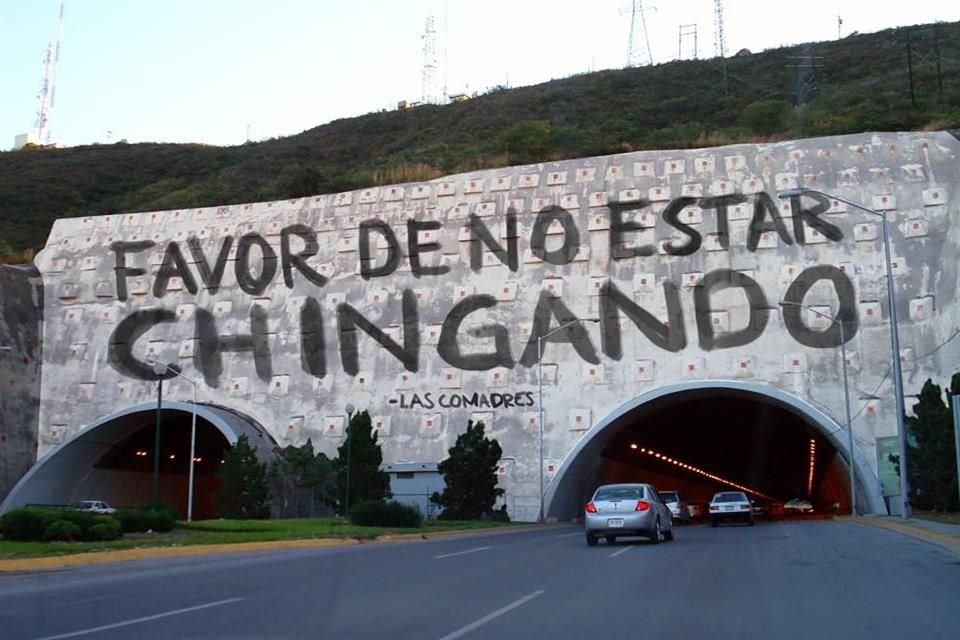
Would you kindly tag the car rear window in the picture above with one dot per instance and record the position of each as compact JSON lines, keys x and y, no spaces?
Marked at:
{"x":733,"y":496}
{"x":669,"y":496}
{"x":619,"y":493}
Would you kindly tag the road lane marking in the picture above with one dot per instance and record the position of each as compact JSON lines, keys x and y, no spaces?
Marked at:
{"x":616,"y":553}
{"x":127,"y":623}
{"x":460,"y":553}
{"x":476,"y":624}
{"x":567,"y":535}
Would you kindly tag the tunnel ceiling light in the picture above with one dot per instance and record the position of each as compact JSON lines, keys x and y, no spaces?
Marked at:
{"x":634,"y":445}
{"x":813,"y":460}
{"x":716,"y":478}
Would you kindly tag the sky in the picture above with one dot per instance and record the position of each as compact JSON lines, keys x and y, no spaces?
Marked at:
{"x":224,"y":71}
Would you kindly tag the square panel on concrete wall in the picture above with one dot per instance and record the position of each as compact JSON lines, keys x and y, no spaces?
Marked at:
{"x":294,"y":428}
{"x":579,"y":419}
{"x":431,"y":425}
{"x":381,"y":426}
{"x":333,"y":426}
{"x":644,"y":370}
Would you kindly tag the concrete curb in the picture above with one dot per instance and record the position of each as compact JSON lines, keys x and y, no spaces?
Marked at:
{"x":121,"y":555}
{"x":950,"y":542}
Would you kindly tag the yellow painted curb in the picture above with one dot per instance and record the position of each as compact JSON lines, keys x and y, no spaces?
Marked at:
{"x":119,"y":555}
{"x":948,"y":541}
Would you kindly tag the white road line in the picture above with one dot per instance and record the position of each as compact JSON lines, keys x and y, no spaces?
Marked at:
{"x":616,"y":553}
{"x":567,"y":535}
{"x":127,"y":623}
{"x":460,"y":553}
{"x":476,"y":624}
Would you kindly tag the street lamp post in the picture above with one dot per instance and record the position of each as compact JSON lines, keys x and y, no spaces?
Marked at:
{"x":540,"y":339}
{"x":846,"y":396}
{"x":894,"y":338}
{"x":955,"y":404}
{"x":161,"y":368}
{"x":346,"y":501}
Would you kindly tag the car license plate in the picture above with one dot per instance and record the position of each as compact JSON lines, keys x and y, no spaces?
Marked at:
{"x":615,"y":523}
{"x":728,"y":507}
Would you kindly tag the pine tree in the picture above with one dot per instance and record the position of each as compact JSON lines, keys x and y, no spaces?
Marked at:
{"x":470,"y":473}
{"x":302,"y":481}
{"x":243,"y":484}
{"x":932,"y":463}
{"x":367,"y":481}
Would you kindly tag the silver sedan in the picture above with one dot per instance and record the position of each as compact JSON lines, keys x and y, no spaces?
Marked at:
{"x":627,"y":510}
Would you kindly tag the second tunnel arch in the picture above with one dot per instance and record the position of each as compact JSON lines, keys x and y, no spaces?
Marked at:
{"x":562,"y":496}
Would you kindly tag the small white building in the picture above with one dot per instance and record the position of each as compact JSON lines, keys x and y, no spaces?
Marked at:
{"x":413,"y":483}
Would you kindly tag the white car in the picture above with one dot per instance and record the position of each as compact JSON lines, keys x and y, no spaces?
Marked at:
{"x":798,"y":505}
{"x":730,"y":505}
{"x":94,"y":506}
{"x":677,"y":505}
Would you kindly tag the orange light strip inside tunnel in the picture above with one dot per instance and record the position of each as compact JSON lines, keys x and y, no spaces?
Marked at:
{"x":706,"y":474}
{"x":813,"y":459}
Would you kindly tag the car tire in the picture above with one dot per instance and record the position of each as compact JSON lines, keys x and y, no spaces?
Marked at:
{"x":750,"y":521}
{"x":668,"y":535}
{"x":655,"y":538}
{"x":591,"y":540}
{"x":611,"y":539}
{"x":713,"y":522}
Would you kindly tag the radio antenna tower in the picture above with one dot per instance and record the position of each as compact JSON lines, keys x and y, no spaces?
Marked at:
{"x":47,"y":95}
{"x":719,"y":39}
{"x":429,"y":62}
{"x":634,"y":51}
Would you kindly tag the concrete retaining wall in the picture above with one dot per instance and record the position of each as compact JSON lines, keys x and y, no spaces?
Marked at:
{"x":21,"y":299}
{"x":423,"y":302}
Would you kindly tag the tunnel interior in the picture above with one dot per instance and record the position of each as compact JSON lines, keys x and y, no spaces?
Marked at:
{"x":707,"y":440}
{"x":123,"y":474}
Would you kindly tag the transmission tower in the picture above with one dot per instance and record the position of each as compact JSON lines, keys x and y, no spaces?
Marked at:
{"x":634,"y":51}
{"x":719,"y":39}
{"x":47,"y":95}
{"x":428,"y":95}
{"x":686,"y":32}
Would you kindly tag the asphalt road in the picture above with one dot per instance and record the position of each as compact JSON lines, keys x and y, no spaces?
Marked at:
{"x":774,"y":580}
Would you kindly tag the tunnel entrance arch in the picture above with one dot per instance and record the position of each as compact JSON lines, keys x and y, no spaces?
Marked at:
{"x":112,"y":458}
{"x":581,"y":469}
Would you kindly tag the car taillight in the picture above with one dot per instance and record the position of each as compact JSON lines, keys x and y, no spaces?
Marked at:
{"x":642,"y":505}
{"x":591,"y":508}
{"x":714,"y":507}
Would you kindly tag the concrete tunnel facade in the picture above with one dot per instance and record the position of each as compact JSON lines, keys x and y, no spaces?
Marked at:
{"x":423,"y":303}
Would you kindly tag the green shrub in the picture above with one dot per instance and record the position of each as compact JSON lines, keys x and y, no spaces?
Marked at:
{"x":83,"y":519}
{"x":26,"y":523}
{"x":374,"y":513}
{"x":36,"y":523}
{"x":146,"y":519}
{"x":108,"y":530}
{"x":62,"y":530}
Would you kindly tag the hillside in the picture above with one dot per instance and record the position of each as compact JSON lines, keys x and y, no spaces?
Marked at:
{"x":860,"y":83}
